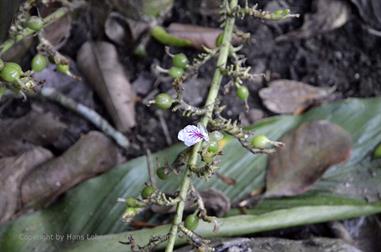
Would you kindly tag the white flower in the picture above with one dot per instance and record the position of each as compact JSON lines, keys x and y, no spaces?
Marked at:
{"x":191,"y":134}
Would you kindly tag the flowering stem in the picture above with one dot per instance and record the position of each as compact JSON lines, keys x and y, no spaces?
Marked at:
{"x":209,"y":106}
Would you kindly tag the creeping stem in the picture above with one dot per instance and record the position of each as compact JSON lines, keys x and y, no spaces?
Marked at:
{"x":209,"y":106}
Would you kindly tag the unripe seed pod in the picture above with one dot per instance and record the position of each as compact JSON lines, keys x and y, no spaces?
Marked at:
{"x":213,"y":147}
{"x":63,"y":68}
{"x":180,"y":60}
{"x":148,"y":191}
{"x":132,"y":202}
{"x":39,"y":63}
{"x":11,"y":72}
{"x":162,"y":173}
{"x":191,"y":222}
{"x":260,"y":141}
{"x":243,"y":92}
{"x":35,"y":23}
{"x":163,"y":101}
{"x":216,"y":136}
{"x":175,"y":72}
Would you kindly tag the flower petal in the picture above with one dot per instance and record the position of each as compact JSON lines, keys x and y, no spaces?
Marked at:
{"x":191,"y":135}
{"x":204,"y":132}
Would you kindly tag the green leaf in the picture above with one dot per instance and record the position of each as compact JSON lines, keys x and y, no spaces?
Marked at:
{"x":92,"y":208}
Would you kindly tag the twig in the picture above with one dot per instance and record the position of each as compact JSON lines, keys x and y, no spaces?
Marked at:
{"x":164,"y":127}
{"x":209,"y":104}
{"x":59,"y":13}
{"x":86,"y":112}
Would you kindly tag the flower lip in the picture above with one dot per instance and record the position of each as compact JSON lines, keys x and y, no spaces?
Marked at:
{"x":192,"y":134}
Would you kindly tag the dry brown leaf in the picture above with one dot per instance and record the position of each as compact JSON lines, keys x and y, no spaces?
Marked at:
{"x":124,"y":31}
{"x":12,"y":172}
{"x":216,"y":202}
{"x":140,"y":9}
{"x":35,"y":128}
{"x":288,"y":96}
{"x":370,"y":11}
{"x":198,"y":35}
{"x":93,"y":154}
{"x":309,"y":151}
{"x":99,"y":62}
{"x":58,"y":32}
{"x":329,"y":15}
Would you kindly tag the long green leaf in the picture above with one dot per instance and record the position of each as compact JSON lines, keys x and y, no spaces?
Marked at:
{"x":92,"y":208}
{"x":235,"y":226}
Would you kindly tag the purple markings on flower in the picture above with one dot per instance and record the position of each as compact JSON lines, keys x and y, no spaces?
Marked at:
{"x":191,"y":135}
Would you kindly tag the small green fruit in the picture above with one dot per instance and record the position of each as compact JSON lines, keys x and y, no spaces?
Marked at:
{"x":1,"y":64}
{"x":148,"y":191}
{"x":175,"y":72}
{"x":15,"y":66}
{"x":35,"y":23}
{"x":280,"y":13}
{"x":180,"y":60}
{"x":63,"y":68}
{"x":213,"y":147}
{"x":132,"y":202}
{"x":216,"y":136}
{"x":11,"y":72}
{"x":191,"y":222}
{"x":39,"y":63}
{"x":243,"y":93}
{"x":162,"y":173}
{"x":260,"y":141}
{"x":377,"y":152}
{"x":163,"y":101}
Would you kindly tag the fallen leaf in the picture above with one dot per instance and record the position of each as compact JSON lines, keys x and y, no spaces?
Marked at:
{"x":309,"y":151}
{"x":124,"y":31}
{"x":329,"y":16}
{"x":141,"y":9}
{"x":288,"y":96}
{"x":35,"y":128}
{"x":216,"y":202}
{"x":93,"y":154}
{"x":58,"y":32}
{"x":369,"y":11}
{"x":99,"y":62}
{"x":12,"y":172}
